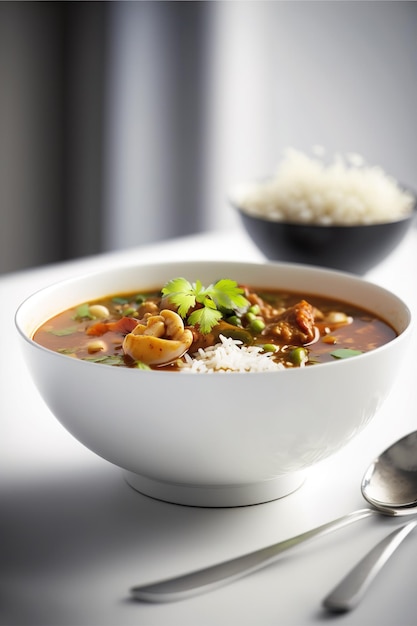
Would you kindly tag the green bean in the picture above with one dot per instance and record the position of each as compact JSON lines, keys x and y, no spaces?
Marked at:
{"x":234,"y":320}
{"x":298,"y":355}
{"x":257,"y":325}
{"x":269,"y":347}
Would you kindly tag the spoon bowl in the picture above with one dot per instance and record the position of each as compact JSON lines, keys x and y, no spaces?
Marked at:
{"x":389,"y":485}
{"x":391,"y":479}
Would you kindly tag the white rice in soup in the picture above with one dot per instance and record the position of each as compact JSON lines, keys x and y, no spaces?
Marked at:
{"x":345,"y":192}
{"x":229,"y":355}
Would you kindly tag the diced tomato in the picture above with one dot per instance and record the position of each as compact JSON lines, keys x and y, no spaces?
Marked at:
{"x":124,"y":326}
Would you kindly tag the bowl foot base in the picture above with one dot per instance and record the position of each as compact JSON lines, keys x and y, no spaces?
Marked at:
{"x":216,"y":495}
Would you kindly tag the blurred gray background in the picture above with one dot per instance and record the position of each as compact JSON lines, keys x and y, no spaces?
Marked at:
{"x":125,"y":123}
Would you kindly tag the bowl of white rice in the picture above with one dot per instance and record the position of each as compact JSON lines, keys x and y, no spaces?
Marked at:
{"x":231,"y":426}
{"x":341,"y":214}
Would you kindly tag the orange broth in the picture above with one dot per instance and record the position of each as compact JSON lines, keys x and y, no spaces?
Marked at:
{"x":68,"y":332}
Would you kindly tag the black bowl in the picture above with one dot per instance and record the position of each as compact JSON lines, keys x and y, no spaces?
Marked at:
{"x":355,"y":249}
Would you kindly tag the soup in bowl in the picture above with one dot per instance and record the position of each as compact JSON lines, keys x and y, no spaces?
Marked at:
{"x":214,"y":383}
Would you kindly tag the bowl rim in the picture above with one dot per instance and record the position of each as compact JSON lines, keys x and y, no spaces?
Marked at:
{"x":27,"y":303}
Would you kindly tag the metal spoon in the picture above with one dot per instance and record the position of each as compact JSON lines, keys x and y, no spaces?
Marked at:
{"x":348,"y":593}
{"x":389,"y":486}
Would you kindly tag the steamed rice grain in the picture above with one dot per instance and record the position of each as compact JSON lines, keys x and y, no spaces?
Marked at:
{"x":229,"y":355}
{"x":346,"y":192}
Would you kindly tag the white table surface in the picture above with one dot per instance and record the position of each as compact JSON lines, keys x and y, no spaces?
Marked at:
{"x":75,"y":537}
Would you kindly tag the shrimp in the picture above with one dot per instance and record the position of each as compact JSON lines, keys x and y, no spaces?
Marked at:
{"x":162,"y":340}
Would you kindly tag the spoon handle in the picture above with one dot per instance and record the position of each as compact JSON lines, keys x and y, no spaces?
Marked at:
{"x":209,"y":578}
{"x":348,"y":593}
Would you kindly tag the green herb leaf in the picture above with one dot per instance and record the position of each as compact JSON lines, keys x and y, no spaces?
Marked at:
{"x":227,"y":295}
{"x":108,"y":359}
{"x":200,"y":292}
{"x":181,"y":293}
{"x":118,"y":300}
{"x":345,"y":353}
{"x":205,"y":318}
{"x":223,"y":296}
{"x":62,"y":332}
{"x":83,"y":312}
{"x":141,"y":366}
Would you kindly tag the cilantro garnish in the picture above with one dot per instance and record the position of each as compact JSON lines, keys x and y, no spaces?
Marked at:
{"x":62,"y":332}
{"x":205,"y":318}
{"x":345,"y":353}
{"x":82,"y":312}
{"x":108,"y":359}
{"x":118,"y":300}
{"x":141,"y":366}
{"x":207,"y":304}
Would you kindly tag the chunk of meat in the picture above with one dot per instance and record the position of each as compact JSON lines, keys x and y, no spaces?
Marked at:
{"x":295,"y":325}
{"x":267,"y":311}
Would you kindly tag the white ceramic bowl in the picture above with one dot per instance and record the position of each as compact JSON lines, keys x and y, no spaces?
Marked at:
{"x":214,"y":439}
